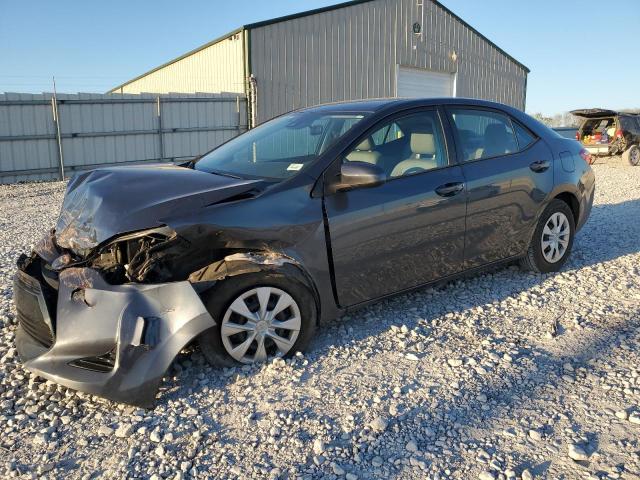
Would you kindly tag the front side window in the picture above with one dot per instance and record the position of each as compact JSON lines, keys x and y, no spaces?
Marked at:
{"x":483,"y":134}
{"x":280,"y":148}
{"x":406,"y":145}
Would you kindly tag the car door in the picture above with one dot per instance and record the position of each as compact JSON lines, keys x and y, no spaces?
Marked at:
{"x":508,"y":175}
{"x":410,"y":229}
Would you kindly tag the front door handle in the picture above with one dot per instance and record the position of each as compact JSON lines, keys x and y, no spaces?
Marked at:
{"x":540,"y":166}
{"x":450,"y":189}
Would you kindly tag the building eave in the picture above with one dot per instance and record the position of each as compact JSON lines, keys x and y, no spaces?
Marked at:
{"x":351,"y":3}
{"x":307,"y":13}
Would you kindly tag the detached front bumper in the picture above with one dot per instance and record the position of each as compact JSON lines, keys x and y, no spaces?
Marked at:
{"x":115,"y":341}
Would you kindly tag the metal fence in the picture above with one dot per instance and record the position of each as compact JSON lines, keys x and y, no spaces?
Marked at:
{"x":45,"y":137}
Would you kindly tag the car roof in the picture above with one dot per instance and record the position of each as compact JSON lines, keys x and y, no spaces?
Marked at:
{"x":377,"y":104}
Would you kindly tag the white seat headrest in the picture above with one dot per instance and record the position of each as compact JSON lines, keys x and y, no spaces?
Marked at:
{"x":423,"y":144}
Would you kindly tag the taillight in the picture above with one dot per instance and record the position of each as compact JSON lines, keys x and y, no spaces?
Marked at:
{"x":578,"y":136}
{"x":619,"y":133}
{"x":586,"y":156}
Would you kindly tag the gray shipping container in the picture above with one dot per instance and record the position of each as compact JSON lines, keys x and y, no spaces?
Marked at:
{"x":353,"y":50}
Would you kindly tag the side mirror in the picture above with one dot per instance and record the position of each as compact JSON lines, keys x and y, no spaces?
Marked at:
{"x":360,"y":174}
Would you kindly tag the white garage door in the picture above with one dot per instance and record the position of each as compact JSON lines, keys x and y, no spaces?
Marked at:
{"x":417,"y":82}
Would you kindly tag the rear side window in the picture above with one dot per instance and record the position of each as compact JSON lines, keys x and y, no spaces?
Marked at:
{"x":483,"y":133}
{"x":630,"y":124}
{"x":524,"y":136}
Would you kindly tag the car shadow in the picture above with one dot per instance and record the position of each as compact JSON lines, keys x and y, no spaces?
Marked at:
{"x":612,"y":231}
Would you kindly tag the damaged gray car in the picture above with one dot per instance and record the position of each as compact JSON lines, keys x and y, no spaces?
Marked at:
{"x":249,"y":248}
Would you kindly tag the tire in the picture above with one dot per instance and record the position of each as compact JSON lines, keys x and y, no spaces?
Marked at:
{"x":632,"y":155}
{"x":216,"y":343}
{"x":542,"y":260}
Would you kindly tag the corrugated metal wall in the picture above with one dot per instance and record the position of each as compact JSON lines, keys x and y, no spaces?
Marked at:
{"x":101,"y":129}
{"x":353,"y":53}
{"x":217,"y":68}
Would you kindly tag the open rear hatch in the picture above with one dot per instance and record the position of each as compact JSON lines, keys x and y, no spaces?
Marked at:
{"x":593,"y":113}
{"x":598,"y":130}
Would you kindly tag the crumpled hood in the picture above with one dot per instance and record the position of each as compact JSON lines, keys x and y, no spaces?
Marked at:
{"x":110,"y":201}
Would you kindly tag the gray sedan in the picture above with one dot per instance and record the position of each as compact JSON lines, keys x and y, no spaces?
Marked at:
{"x":252,"y":246}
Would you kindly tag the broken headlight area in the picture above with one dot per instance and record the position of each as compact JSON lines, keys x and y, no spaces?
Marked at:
{"x":142,"y":257}
{"x":146,"y":256}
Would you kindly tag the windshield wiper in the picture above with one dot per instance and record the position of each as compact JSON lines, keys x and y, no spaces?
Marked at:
{"x":224,"y":174}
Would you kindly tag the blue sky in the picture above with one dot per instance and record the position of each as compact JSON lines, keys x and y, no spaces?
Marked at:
{"x":92,"y":46}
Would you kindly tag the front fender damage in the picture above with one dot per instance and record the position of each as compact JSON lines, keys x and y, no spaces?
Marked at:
{"x":136,"y":330}
{"x":125,"y":311}
{"x":241,"y":263}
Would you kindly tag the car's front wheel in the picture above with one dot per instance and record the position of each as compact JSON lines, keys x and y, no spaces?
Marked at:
{"x":552,"y":240}
{"x":632,"y":155}
{"x":258,"y":316}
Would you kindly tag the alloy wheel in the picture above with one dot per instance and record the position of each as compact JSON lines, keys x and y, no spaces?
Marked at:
{"x":259,"y":323}
{"x":555,"y":237}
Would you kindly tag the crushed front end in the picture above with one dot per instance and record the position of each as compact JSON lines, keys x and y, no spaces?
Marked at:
{"x":107,"y":320}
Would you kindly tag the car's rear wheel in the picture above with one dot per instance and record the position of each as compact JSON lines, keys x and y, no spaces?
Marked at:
{"x":632,"y":155}
{"x":258,"y":316}
{"x":552,"y":240}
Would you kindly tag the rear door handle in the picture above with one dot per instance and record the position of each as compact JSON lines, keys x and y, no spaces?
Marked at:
{"x":450,"y":189}
{"x":540,"y":166}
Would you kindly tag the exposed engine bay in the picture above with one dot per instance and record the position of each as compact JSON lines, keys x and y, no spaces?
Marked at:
{"x":107,"y":300}
{"x":139,"y":257}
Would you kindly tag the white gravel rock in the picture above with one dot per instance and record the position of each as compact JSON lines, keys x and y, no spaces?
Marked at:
{"x":485,"y":475}
{"x":463,"y":370}
{"x":379,"y":424}
{"x":455,"y":362}
{"x":622,"y":414}
{"x":124,"y":431}
{"x":337,"y":469}
{"x":577,"y":453}
{"x":105,"y":431}
{"x":535,"y":435}
{"x":318,"y":446}
{"x":411,"y":446}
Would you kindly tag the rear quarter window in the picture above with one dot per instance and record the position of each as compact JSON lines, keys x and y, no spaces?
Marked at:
{"x":484,"y":133}
{"x":524,"y":136}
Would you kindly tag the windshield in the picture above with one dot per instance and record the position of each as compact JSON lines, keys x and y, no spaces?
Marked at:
{"x":280,"y":148}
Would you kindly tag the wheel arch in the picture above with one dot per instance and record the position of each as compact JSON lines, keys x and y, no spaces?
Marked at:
{"x":565,"y":194}
{"x":572,"y":201}
{"x":239,"y":263}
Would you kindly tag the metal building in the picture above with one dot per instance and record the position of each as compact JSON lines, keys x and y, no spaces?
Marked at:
{"x":353,"y":50}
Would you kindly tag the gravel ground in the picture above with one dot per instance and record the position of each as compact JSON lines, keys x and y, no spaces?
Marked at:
{"x":505,"y":375}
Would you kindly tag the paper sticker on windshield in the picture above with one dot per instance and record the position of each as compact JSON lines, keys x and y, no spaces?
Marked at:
{"x":295,"y":166}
